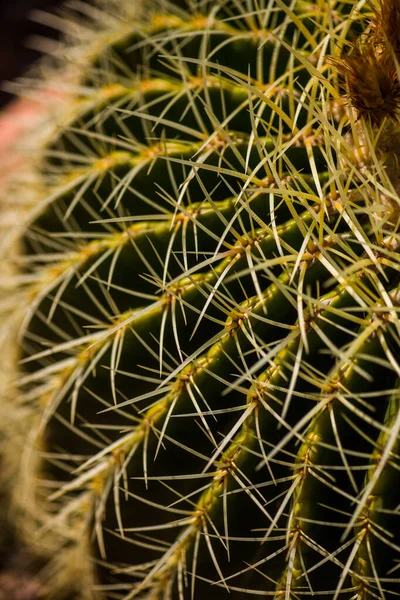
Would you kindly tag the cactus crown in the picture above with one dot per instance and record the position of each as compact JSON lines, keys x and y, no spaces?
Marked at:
{"x":207,"y":284}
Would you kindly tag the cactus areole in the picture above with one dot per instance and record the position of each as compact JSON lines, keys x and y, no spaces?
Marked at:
{"x":204,"y":305}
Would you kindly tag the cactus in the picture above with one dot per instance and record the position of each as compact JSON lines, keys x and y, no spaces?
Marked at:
{"x":205,"y":289}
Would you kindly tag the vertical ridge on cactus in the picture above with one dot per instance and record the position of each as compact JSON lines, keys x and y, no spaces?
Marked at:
{"x":205,"y":283}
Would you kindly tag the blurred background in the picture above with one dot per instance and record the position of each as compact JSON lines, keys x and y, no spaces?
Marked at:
{"x":18,"y":32}
{"x":17,"y":35}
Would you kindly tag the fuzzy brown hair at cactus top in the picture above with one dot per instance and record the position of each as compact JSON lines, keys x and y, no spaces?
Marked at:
{"x":370,"y":67}
{"x":385,"y":24}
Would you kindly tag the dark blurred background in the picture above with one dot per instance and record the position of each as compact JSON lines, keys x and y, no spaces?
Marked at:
{"x":16,"y":27}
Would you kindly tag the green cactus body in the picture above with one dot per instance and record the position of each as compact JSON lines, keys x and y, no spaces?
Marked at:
{"x":207,"y":299}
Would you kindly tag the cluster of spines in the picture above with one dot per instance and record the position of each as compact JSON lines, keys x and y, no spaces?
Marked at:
{"x":308,"y":242}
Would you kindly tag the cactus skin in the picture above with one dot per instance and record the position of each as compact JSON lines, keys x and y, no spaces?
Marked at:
{"x":207,"y":296}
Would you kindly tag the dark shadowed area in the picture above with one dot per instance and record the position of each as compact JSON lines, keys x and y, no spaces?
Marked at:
{"x":18,"y":32}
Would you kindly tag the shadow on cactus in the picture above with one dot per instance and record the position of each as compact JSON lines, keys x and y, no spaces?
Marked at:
{"x":208,"y":289}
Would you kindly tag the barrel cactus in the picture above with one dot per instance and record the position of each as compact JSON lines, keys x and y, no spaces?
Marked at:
{"x":200,"y":307}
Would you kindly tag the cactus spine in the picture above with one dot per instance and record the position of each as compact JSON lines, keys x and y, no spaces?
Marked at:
{"x":207,"y":285}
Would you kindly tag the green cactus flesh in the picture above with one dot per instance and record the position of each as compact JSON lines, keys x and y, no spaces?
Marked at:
{"x":207,"y":304}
